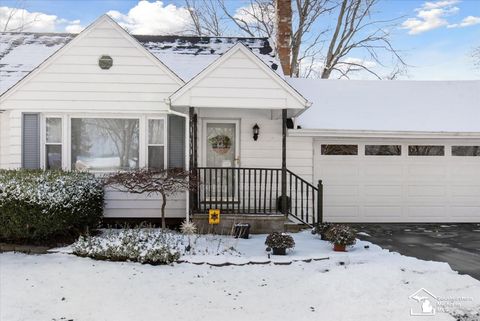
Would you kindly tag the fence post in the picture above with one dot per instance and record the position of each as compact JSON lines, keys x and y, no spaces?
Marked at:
{"x":320,"y":202}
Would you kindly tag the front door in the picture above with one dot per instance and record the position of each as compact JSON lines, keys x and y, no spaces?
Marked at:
{"x":221,"y":153}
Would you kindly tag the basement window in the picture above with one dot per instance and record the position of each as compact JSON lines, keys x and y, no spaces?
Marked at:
{"x":383,"y":150}
{"x":339,"y":149}
{"x":465,"y":150}
{"x":426,"y":150}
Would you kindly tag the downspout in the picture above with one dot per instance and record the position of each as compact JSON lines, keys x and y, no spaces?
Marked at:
{"x":187,"y":151}
{"x":284,"y":163}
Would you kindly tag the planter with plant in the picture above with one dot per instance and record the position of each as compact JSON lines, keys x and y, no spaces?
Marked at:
{"x":279,"y":243}
{"x":322,"y":229}
{"x":341,"y":236}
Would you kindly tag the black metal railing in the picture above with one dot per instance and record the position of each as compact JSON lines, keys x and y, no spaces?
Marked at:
{"x":236,"y":190}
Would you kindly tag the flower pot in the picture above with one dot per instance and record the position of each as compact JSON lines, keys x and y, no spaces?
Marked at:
{"x":279,"y":251}
{"x":339,"y":248}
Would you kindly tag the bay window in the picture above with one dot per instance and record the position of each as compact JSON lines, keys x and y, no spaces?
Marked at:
{"x":104,"y":144}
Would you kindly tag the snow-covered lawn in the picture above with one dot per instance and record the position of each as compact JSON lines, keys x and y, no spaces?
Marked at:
{"x":363,"y":284}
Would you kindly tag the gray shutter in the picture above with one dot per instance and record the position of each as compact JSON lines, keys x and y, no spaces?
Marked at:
{"x":176,"y":141}
{"x":31,"y":141}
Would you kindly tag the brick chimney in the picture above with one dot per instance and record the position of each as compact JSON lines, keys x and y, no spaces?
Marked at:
{"x":283,"y":15}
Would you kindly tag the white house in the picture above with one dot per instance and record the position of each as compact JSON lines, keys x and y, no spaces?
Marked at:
{"x":105,"y":100}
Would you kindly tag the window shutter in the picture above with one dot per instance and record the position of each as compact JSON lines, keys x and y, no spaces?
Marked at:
{"x":176,"y":141}
{"x":31,"y":141}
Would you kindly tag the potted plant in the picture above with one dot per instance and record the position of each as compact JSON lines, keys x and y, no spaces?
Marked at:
{"x":322,"y":229}
{"x":341,"y":236}
{"x":279,"y":242}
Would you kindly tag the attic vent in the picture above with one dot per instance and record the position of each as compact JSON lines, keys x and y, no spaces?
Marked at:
{"x":105,"y":62}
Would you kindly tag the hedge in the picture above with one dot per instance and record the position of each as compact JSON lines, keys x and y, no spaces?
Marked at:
{"x":45,"y":206}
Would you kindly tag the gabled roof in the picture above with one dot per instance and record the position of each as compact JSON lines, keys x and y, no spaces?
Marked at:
{"x":390,"y":105}
{"x":239,"y":47}
{"x":103,"y":19}
{"x":20,"y":53}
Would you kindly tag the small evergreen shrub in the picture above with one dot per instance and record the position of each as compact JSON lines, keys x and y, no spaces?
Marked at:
{"x":341,"y":235}
{"x":44,"y":206}
{"x":322,"y":229}
{"x":277,"y":240}
{"x":152,"y":246}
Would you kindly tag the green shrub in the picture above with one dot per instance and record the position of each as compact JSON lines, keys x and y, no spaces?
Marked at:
{"x":341,"y":235}
{"x":43,"y":206}
{"x":280,"y":241}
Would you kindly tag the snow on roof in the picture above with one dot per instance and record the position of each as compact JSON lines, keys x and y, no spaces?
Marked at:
{"x":396,"y":105}
{"x":20,"y":53}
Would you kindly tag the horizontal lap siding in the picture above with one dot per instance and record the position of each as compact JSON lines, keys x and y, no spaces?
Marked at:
{"x":119,"y":204}
{"x":74,"y":81}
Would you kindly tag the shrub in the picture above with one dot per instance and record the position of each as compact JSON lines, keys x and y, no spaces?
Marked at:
{"x":322,"y":229}
{"x":151,"y":246}
{"x":43,"y":206}
{"x":341,"y":235}
{"x":277,"y":240}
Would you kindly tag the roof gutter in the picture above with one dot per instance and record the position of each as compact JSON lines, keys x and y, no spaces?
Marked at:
{"x":347,"y":133}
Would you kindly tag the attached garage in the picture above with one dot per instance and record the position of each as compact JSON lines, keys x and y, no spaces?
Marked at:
{"x":408,"y":180}
{"x":394,"y":151}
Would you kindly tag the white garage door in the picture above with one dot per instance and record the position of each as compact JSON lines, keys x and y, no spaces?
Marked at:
{"x":399,"y":181}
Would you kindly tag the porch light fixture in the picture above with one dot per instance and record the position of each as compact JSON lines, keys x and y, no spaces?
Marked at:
{"x":256,"y":131}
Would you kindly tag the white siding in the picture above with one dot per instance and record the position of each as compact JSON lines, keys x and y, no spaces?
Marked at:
{"x":238,"y":82}
{"x":267,"y":150}
{"x":73,"y":81}
{"x":3,"y":140}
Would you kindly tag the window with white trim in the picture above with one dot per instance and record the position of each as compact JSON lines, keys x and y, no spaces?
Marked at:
{"x":53,"y":143}
{"x":156,"y":144}
{"x":105,"y":144}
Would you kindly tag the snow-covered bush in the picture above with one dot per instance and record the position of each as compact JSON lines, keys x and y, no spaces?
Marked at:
{"x":322,"y":229}
{"x":42,"y":206}
{"x":150,"y":245}
{"x":341,"y":235}
{"x":277,"y":240}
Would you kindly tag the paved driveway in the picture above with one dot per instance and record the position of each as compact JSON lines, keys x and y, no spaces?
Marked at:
{"x":456,"y":244}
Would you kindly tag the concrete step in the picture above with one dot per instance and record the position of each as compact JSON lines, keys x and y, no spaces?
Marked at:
{"x":292,"y":227}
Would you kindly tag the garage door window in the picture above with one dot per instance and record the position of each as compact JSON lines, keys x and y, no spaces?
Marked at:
{"x":426,"y":150}
{"x":465,"y":150}
{"x":339,"y":149}
{"x":383,"y":150}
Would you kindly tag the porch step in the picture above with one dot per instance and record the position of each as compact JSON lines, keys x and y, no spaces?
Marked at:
{"x":292,"y":227}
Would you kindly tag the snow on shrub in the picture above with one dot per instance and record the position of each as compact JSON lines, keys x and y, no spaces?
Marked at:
{"x":341,"y":235}
{"x":42,"y":206}
{"x":149,"y":245}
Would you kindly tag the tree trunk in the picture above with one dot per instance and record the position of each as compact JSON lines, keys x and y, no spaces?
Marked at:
{"x":164,"y":204}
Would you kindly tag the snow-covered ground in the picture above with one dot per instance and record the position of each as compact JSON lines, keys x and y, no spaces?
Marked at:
{"x":363,"y":284}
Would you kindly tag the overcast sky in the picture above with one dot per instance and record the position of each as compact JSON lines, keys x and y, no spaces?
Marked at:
{"x":437,"y":37}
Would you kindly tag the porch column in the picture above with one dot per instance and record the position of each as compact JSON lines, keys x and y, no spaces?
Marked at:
{"x":284,"y":162}
{"x":192,"y":130}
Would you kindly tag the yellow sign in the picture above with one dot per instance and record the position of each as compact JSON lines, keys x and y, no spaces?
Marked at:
{"x":213,"y":216}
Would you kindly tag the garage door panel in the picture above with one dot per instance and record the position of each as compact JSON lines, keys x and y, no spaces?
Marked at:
{"x":382,"y":190}
{"x":341,"y":190}
{"x":382,"y":211}
{"x":416,"y":191}
{"x":382,"y":172}
{"x":465,"y":190}
{"x":340,"y":171}
{"x":426,"y":211}
{"x":466,"y":171}
{"x":346,"y":212}
{"x":425,"y":171}
{"x":466,"y":211}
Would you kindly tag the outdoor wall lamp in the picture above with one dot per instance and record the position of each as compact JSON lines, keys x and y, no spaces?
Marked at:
{"x":256,"y":131}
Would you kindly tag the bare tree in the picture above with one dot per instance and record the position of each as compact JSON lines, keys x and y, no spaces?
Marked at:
{"x":476,"y":57}
{"x":206,"y":19}
{"x":166,"y":183}
{"x":356,"y":29}
{"x":17,"y":12}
